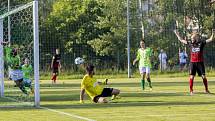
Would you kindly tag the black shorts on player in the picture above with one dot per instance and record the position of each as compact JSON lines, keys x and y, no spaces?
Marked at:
{"x":55,"y":70}
{"x":107,"y":92}
{"x":197,"y":67}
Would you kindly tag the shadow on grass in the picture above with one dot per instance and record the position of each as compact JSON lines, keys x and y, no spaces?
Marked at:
{"x":160,"y":84}
{"x":59,"y":85}
{"x":129,"y":104}
{"x":152,"y":94}
{"x":113,"y":105}
{"x":75,"y":96}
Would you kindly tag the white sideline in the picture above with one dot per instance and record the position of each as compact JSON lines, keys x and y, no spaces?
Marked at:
{"x":52,"y":110}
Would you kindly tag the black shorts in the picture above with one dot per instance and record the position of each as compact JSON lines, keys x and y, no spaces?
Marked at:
{"x":55,"y":70}
{"x":198,"y":67}
{"x":107,"y":92}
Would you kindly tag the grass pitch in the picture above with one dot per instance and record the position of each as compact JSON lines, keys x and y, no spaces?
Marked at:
{"x":168,"y":101}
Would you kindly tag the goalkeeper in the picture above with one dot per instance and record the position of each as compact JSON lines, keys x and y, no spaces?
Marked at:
{"x":96,"y":89}
{"x":13,"y":61}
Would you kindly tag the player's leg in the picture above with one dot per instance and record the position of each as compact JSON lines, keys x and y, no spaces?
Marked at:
{"x":142,"y":73}
{"x":115,"y":93}
{"x":201,"y":72}
{"x":192,"y":75}
{"x":182,"y":66}
{"x":21,"y":86}
{"x":205,"y":81}
{"x":148,"y":77}
{"x":164,"y":66}
{"x":102,"y":100}
{"x":191,"y":83}
{"x":27,"y":83}
{"x":17,"y":77}
{"x":108,"y":92}
{"x":55,"y":78}
{"x":54,"y":75}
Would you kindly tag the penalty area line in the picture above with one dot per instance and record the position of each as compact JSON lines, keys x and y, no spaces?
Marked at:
{"x":67,"y":114}
{"x":49,"y":109}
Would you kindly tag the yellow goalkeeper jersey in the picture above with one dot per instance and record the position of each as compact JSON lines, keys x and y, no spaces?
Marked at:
{"x":91,"y":86}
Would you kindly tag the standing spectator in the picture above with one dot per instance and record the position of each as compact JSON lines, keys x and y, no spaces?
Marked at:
{"x":182,"y":59}
{"x":163,"y":60}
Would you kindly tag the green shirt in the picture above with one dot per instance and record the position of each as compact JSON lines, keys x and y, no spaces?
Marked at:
{"x":27,"y":71}
{"x":13,"y":61}
{"x":144,"y":57}
{"x":8,"y":51}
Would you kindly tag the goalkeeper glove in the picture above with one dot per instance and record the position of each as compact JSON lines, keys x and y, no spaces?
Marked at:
{"x":81,"y":101}
{"x":105,"y":81}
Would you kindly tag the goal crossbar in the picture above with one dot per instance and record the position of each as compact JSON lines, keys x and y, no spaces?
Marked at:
{"x":16,"y":10}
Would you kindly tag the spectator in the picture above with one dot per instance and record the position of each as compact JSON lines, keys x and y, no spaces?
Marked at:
{"x":163,"y":60}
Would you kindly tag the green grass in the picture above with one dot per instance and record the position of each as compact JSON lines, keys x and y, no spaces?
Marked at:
{"x":169,"y":101}
{"x":67,"y":75}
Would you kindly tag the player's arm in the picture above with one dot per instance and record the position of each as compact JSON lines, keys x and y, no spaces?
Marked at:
{"x":19,"y":63}
{"x":52,"y":61}
{"x":179,"y":37}
{"x":103,"y":82}
{"x":82,"y":95}
{"x":137,"y":58}
{"x":211,"y":37}
{"x":59,"y":65}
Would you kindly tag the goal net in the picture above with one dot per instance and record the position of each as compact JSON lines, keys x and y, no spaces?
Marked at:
{"x":19,"y":51}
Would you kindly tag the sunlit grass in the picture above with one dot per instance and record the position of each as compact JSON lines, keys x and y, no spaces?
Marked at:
{"x":169,"y":101}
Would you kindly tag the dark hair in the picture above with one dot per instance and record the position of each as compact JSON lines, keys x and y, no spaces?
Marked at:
{"x":89,"y":68}
{"x":142,"y":40}
{"x":14,"y":51}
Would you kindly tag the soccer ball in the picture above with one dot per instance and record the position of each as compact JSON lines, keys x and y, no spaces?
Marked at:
{"x":79,"y":60}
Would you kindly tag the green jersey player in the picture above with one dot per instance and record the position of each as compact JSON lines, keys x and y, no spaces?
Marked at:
{"x":27,"y":72}
{"x":13,"y":61}
{"x":144,"y":57}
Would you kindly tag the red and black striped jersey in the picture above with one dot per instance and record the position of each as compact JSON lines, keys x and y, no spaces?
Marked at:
{"x":196,"y":51}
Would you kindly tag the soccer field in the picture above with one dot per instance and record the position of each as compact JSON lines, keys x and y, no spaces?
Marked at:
{"x":168,"y":101}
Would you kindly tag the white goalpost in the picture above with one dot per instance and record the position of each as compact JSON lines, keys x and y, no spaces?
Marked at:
{"x":33,"y":28}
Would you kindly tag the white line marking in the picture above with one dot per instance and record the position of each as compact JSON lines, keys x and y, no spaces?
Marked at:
{"x":12,"y":99}
{"x":8,"y":106}
{"x":68,"y":114}
{"x":52,"y":110}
